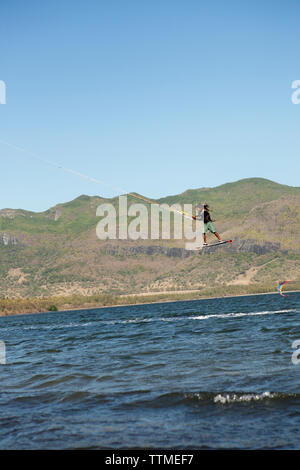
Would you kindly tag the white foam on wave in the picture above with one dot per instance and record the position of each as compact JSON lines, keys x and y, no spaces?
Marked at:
{"x":56,"y":326}
{"x":239,"y":314}
{"x":201,"y":317}
{"x":156,"y":319}
{"x":248,"y":397}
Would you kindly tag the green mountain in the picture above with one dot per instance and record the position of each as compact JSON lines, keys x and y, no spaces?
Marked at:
{"x":57,"y":252}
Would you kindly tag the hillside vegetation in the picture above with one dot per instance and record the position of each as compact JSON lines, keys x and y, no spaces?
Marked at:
{"x":57,"y":253}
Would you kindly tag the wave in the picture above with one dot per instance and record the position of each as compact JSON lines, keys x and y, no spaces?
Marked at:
{"x":201,"y":317}
{"x":235,"y":398}
{"x":223,"y":398}
{"x":240,"y":314}
{"x":214,"y":399}
{"x":155,"y":319}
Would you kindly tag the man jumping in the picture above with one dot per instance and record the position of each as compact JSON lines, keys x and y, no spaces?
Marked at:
{"x":203,"y":211}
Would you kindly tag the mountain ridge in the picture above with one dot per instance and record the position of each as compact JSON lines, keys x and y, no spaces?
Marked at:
{"x":85,"y":197}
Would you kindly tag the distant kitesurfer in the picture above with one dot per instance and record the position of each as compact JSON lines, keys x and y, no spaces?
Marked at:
{"x":203,"y":211}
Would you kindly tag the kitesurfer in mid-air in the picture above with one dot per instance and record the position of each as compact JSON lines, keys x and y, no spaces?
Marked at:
{"x":203,"y":211}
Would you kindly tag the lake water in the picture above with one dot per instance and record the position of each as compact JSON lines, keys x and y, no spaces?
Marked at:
{"x":204,"y":374}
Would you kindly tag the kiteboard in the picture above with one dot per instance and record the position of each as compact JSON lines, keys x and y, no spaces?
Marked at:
{"x":214,"y":244}
{"x":218,"y":243}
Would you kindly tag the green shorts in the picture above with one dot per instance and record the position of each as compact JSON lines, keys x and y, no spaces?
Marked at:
{"x":209,"y":226}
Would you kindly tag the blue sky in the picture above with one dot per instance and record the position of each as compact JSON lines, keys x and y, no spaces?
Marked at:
{"x":151,"y":96}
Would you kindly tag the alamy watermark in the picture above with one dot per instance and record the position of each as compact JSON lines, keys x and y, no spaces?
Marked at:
{"x":2,"y":353}
{"x":150,"y":222}
{"x":296,"y":354}
{"x":2,"y":92}
{"x":296,"y":94}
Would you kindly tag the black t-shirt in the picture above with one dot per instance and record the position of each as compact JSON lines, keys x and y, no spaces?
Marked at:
{"x":207,"y":217}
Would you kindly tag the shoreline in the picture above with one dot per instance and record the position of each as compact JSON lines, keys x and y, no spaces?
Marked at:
{"x":68,"y":308}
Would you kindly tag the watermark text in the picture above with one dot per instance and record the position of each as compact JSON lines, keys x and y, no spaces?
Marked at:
{"x":2,"y":92}
{"x":296,"y":353}
{"x":296,"y":94}
{"x":2,"y":353}
{"x":150,"y":221}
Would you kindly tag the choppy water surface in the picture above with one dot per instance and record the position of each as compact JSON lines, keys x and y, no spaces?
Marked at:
{"x":214,"y":373}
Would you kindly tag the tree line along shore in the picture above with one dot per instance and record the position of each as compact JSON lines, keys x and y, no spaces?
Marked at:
{"x":15,"y":306}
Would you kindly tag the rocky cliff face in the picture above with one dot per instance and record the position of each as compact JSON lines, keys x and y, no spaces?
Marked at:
{"x":249,"y":246}
{"x":54,"y":214}
{"x":238,"y":246}
{"x":150,"y":250}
